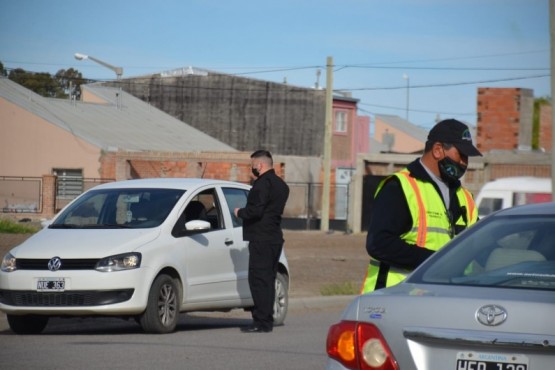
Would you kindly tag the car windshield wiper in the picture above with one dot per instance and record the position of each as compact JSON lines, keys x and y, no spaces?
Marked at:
{"x":107,"y":226}
{"x":64,"y":226}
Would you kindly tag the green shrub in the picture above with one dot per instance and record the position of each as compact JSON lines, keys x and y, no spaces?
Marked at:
{"x":11,"y":227}
{"x":346,"y":288}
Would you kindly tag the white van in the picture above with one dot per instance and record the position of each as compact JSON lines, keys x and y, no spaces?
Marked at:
{"x":512,"y":191}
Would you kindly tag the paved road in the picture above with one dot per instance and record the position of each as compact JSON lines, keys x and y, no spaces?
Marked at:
{"x":201,"y":341}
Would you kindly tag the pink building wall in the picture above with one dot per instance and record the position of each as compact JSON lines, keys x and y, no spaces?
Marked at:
{"x":45,"y":146}
{"x":403,"y":143}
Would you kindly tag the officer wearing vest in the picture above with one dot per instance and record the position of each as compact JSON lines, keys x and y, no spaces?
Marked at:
{"x":420,"y":208}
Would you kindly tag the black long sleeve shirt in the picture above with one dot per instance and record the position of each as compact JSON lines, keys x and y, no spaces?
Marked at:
{"x":265,"y":204}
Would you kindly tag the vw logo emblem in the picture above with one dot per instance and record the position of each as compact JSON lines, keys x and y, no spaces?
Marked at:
{"x":491,"y":315}
{"x":55,"y":263}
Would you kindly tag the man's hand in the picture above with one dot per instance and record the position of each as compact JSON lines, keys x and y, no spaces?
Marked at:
{"x":235,"y":212}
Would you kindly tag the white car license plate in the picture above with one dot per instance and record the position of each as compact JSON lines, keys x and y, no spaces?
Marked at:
{"x":51,"y":284}
{"x":490,"y":361}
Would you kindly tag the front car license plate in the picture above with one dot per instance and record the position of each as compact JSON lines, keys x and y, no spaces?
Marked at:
{"x":51,"y":284}
{"x":490,"y":361}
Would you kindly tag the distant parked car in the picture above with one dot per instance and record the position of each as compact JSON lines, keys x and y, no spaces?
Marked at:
{"x":147,"y":249}
{"x":484,"y":302}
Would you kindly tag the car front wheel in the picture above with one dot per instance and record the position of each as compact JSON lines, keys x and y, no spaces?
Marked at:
{"x":281,"y":301}
{"x":162,"y":310}
{"x":27,"y":324}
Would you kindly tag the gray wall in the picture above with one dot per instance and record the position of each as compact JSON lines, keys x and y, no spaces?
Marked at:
{"x":244,"y":113}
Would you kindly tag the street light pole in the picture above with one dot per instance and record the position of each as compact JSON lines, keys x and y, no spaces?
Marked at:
{"x":117,"y":70}
{"x":406,"y":77}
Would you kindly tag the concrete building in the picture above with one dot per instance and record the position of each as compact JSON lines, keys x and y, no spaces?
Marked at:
{"x":249,"y":114}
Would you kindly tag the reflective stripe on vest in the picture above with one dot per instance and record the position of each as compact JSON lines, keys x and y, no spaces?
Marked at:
{"x":430,"y":229}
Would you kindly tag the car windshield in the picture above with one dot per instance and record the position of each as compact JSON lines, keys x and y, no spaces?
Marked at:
{"x":119,"y":208}
{"x":509,"y":251}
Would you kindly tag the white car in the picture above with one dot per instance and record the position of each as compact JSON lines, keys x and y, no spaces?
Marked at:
{"x":147,"y":249}
{"x":485,"y":301}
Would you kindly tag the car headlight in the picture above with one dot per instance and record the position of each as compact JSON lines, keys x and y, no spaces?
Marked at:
{"x":120,"y":262}
{"x":8,"y":263}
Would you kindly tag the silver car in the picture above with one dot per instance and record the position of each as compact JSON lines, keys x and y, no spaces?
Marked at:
{"x":486,"y":301}
{"x":145,"y":249}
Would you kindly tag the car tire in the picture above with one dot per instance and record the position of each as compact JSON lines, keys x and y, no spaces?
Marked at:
{"x":27,"y":324}
{"x":281,"y":301}
{"x":162,"y":310}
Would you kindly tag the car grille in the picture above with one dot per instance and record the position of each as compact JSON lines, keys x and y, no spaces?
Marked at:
{"x":64,"y":299}
{"x":67,"y":264}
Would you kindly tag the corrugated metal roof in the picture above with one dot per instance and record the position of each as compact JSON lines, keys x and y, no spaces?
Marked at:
{"x":124,"y":122}
{"x":405,"y":126}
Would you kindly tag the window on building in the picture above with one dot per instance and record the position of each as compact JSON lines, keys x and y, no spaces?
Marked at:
{"x":340,"y":121}
{"x":69,"y":183}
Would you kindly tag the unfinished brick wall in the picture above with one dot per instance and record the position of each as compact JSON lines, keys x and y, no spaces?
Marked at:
{"x":546,"y":128}
{"x":501,"y":114}
{"x":220,"y":166}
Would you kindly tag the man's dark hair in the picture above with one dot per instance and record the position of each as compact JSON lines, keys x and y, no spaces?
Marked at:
{"x":261,"y":153}
{"x":430,"y":143}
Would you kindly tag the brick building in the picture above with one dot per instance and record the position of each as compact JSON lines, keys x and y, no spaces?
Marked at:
{"x":506,"y":120}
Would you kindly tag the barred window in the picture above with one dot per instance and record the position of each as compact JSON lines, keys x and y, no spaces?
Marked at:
{"x":69,"y":184}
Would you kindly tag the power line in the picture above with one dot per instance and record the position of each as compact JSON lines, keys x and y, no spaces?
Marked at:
{"x":455,"y":58}
{"x":445,"y":84}
{"x":412,"y":110}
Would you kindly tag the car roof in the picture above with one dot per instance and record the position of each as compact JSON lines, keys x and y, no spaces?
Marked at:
{"x":168,"y":183}
{"x":528,"y":210}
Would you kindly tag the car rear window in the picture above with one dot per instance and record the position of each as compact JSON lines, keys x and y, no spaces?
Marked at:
{"x":510,"y":251}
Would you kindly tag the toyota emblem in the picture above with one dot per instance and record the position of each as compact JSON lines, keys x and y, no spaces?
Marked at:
{"x":55,"y":263}
{"x":491,"y":315}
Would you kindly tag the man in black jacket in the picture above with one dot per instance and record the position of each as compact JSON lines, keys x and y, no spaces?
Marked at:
{"x":262,"y":228}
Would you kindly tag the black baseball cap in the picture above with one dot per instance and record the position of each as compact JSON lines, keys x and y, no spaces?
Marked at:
{"x":451,"y":131}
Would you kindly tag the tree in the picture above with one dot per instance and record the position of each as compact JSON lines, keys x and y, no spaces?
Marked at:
{"x":70,"y":81}
{"x":63,"y":84}
{"x":41,"y":82}
{"x":3,"y":72}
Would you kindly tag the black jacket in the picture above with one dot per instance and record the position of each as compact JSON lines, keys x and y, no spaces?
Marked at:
{"x":390,"y":218}
{"x":265,"y":203}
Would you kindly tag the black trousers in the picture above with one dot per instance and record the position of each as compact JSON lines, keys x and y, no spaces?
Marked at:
{"x":263,"y":264}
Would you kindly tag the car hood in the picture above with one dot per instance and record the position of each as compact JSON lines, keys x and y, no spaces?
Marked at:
{"x":84,"y":243}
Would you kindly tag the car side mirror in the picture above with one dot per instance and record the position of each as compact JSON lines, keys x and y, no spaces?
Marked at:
{"x":197,"y":226}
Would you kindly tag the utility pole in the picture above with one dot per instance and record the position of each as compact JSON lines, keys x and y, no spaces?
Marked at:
{"x":552,"y":34}
{"x":325,"y":219}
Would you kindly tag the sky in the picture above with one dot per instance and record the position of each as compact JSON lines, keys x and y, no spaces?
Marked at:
{"x":417,"y":59}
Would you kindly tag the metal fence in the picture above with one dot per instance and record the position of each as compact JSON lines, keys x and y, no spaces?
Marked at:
{"x":63,"y":197}
{"x":303,"y":209}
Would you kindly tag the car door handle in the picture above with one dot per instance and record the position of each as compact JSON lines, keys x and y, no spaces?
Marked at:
{"x":228,"y":241}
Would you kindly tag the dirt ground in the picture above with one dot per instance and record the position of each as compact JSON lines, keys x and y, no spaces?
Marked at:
{"x":317,"y":260}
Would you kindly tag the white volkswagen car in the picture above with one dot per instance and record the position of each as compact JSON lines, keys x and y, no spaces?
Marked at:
{"x":485,"y":301}
{"x":147,"y":249}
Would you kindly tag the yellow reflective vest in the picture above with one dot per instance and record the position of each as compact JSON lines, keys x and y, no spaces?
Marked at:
{"x":431,"y":228}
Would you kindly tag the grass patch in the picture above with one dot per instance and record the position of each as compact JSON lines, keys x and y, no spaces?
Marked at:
{"x":11,"y":227}
{"x":346,"y":288}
